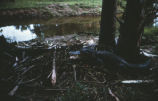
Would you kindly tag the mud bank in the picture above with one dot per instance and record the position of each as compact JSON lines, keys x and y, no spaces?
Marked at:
{"x":53,"y":10}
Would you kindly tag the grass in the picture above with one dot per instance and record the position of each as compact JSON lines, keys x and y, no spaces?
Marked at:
{"x":148,"y":31}
{"x":43,"y":3}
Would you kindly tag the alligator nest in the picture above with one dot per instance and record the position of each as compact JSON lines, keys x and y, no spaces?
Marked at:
{"x":55,"y":75}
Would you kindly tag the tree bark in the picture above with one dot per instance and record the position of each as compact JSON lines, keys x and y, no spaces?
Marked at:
{"x":107,"y":26}
{"x":131,"y":30}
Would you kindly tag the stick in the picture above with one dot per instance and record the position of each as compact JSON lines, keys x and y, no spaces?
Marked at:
{"x":74,"y":66}
{"x":16,"y":61}
{"x":53,"y":77}
{"x":136,"y":81}
{"x":6,"y":53}
{"x":113,"y":95}
{"x":25,"y":82}
{"x":55,"y":89}
{"x":29,"y":68}
{"x":93,"y":82}
{"x":13,"y":91}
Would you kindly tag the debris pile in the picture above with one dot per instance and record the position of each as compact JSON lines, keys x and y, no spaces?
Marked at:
{"x":52,"y":73}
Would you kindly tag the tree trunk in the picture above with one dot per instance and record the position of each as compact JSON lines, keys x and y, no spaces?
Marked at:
{"x":131,"y":30}
{"x":107,"y":27}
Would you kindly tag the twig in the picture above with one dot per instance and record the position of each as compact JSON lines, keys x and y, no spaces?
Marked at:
{"x":93,"y":82}
{"x":29,"y":68}
{"x":6,"y":53}
{"x":16,"y":62}
{"x":24,"y":59}
{"x":154,"y":67}
{"x":49,"y":75}
{"x":120,"y":21}
{"x":93,"y":77}
{"x":53,"y":77}
{"x":136,"y":81}
{"x":55,"y":89}
{"x":13,"y":91}
{"x":113,"y":95}
{"x":38,"y":58}
{"x":25,"y":82}
{"x":74,"y":68}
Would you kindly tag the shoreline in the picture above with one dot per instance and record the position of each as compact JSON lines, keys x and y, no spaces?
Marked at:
{"x":53,"y":10}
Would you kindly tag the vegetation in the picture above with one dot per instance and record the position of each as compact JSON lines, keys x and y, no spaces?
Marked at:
{"x":150,"y":31}
{"x":43,"y":3}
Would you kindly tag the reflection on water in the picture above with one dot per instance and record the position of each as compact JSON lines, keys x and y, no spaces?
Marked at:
{"x":18,"y":34}
{"x":155,"y":22}
{"x":27,"y":30}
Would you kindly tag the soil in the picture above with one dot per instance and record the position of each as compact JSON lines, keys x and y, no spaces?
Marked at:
{"x":52,"y":10}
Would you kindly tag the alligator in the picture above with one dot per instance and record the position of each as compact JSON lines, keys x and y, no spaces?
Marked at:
{"x":104,"y":57}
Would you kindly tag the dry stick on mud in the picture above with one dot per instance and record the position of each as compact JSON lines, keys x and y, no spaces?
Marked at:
{"x":53,"y":72}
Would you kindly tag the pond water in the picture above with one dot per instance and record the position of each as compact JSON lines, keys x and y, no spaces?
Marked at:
{"x":155,"y":22}
{"x":31,"y":29}
{"x":25,"y":30}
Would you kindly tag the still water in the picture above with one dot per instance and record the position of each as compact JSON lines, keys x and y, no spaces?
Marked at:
{"x":28,"y":30}
{"x":41,"y":29}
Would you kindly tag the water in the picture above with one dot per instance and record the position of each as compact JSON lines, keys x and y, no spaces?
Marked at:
{"x":14,"y":34}
{"x":156,"y":22}
{"x":28,"y":30}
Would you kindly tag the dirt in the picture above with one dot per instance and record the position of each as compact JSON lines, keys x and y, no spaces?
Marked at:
{"x":52,"y":10}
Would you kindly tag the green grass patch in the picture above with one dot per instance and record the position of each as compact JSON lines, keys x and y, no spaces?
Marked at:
{"x":148,"y":31}
{"x":43,"y":3}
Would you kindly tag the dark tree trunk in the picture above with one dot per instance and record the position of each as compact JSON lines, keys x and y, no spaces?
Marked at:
{"x":107,"y":27}
{"x":131,"y":30}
